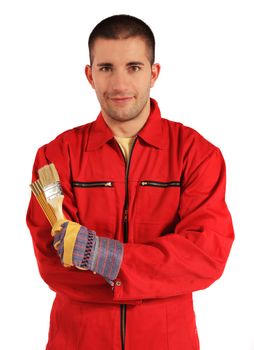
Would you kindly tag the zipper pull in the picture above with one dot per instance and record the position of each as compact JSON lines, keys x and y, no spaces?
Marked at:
{"x":108,"y":184}
{"x":143,"y":183}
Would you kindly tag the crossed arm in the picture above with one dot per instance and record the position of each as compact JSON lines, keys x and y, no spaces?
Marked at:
{"x":188,"y":259}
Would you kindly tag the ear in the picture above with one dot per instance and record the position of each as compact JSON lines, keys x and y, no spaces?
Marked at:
{"x":89,"y":76}
{"x":155,"y":73}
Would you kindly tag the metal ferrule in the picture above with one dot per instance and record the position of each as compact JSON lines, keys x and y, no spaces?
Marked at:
{"x":53,"y":190}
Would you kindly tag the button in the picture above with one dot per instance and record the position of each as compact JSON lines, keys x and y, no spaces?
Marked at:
{"x":118,"y":283}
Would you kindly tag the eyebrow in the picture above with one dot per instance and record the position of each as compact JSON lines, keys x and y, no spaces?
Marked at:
{"x":133,"y":63}
{"x":104,"y":64}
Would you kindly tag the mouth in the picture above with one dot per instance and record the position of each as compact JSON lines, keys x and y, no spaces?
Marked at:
{"x":121,"y":99}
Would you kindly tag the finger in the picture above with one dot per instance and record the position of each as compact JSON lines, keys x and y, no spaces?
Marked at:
{"x":59,"y":225}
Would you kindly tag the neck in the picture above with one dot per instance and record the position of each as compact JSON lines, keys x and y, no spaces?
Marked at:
{"x":128,"y":128}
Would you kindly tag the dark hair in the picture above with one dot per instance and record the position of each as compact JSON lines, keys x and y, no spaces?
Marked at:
{"x":123,"y":27}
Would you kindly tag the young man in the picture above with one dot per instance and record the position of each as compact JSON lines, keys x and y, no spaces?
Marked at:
{"x":144,"y":198}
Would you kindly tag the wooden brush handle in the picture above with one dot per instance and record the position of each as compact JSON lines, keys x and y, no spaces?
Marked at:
{"x":57,"y":205}
{"x":47,"y":209}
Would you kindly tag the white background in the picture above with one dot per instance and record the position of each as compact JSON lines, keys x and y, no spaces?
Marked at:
{"x":207,"y":82}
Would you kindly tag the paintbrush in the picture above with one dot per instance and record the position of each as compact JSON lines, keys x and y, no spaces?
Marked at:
{"x":52,"y":189}
{"x":37,"y":190}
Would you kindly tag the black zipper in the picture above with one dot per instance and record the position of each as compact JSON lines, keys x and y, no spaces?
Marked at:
{"x":125,"y":226}
{"x":93,"y":184}
{"x":123,"y":323}
{"x":160,"y":184}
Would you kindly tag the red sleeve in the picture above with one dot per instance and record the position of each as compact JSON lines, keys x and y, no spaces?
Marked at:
{"x":73,"y":283}
{"x":192,"y":257}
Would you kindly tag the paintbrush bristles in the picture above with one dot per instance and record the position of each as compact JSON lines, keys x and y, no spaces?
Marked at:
{"x":48,"y":175}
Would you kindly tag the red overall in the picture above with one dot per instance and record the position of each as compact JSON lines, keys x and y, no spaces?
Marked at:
{"x":166,"y":204}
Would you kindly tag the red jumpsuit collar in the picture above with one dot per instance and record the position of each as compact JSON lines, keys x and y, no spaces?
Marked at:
{"x":151,"y":132}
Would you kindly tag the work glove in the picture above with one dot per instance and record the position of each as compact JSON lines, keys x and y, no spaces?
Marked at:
{"x":74,"y":244}
{"x":79,"y":246}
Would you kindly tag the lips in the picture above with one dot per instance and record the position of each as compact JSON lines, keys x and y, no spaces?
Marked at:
{"x":121,"y":99}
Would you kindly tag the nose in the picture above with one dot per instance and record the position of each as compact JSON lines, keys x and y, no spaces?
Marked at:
{"x":119,"y":82}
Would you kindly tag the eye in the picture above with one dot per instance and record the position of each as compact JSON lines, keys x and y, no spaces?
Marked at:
{"x":135,"y":68}
{"x":105,"y":69}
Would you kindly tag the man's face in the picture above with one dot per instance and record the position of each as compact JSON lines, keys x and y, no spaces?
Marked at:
{"x":122,"y":77}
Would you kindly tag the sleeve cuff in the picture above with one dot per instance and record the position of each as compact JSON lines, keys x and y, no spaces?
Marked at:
{"x":107,"y":257}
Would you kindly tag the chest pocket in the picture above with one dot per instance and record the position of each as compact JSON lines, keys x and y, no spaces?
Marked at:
{"x":96,"y":205}
{"x":157,"y":201}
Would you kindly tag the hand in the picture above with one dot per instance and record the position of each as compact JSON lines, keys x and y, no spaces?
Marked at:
{"x":74,"y":244}
{"x":77,"y":246}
